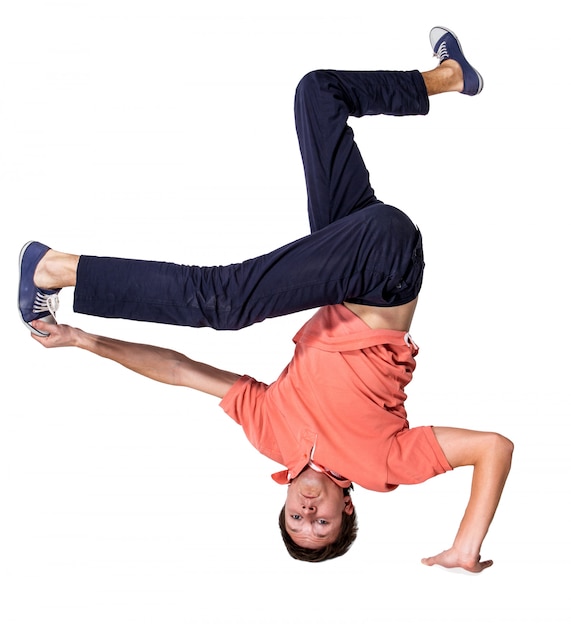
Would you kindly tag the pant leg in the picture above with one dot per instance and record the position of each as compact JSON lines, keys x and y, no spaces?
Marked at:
{"x":373,"y":256}
{"x":358,"y":251}
{"x":336,"y":177}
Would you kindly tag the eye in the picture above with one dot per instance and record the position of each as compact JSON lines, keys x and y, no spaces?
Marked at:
{"x":322,"y":522}
{"x":295,"y":516}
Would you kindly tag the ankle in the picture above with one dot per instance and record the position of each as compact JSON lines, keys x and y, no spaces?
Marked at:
{"x":452,"y":76}
{"x":56,"y":270}
{"x":444,"y":78}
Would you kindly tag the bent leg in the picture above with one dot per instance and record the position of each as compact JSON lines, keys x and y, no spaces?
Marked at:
{"x":336,"y":177}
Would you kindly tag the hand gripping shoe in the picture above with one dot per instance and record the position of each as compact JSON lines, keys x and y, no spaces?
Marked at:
{"x":446,"y":46}
{"x":35,"y":303}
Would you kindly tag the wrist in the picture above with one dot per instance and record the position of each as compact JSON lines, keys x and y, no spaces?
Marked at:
{"x":467,"y":552}
{"x":80,"y":339}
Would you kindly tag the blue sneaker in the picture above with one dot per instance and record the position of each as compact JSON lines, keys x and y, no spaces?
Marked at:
{"x":446,"y":45}
{"x":35,"y":303}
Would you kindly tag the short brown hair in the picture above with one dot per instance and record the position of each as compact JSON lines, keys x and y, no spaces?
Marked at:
{"x":339,"y":547}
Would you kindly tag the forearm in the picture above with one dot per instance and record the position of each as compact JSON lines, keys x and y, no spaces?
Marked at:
{"x":490,"y":473}
{"x":160,"y":364}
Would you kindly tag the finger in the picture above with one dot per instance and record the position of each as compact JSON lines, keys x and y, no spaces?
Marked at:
{"x":479,"y":567}
{"x":43,"y":327}
{"x":39,"y":325}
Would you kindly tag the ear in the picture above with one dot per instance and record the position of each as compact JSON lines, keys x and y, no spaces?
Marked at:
{"x":349,"y":508}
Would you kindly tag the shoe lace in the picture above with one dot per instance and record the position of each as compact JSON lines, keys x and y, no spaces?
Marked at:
{"x":442,"y":53}
{"x":46,"y":302}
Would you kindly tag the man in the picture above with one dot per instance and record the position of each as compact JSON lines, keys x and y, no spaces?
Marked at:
{"x":336,"y":414}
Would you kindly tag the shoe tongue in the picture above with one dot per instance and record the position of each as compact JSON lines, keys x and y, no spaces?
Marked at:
{"x":442,"y":50}
{"x":52,"y":302}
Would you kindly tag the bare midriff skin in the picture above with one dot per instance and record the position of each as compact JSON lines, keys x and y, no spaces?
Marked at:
{"x":389,"y":318}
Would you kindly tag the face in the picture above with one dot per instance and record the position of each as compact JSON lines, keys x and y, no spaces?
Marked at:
{"x":313,"y":509}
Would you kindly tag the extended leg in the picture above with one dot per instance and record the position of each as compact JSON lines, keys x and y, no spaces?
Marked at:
{"x":373,"y":256}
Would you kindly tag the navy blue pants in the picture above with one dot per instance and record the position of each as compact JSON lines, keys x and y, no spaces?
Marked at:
{"x":359,"y":250}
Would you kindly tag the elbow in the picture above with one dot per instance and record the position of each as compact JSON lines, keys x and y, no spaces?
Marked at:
{"x":508,"y":445}
{"x":502,"y":447}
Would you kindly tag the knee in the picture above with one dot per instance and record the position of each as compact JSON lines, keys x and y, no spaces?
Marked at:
{"x":386,"y":220}
{"x":310,"y":80}
{"x":311,"y":84}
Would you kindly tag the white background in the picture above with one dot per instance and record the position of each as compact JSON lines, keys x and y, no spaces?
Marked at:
{"x":164,"y":130}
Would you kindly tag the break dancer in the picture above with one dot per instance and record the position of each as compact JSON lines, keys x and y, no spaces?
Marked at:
{"x":336,"y":414}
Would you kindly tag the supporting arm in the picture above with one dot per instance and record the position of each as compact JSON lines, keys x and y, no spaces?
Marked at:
{"x":490,"y":454}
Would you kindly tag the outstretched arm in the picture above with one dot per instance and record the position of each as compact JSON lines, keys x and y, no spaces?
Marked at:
{"x":161,"y":364}
{"x":490,"y":454}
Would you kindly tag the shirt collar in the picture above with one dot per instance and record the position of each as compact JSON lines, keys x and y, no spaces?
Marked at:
{"x":286,"y":476}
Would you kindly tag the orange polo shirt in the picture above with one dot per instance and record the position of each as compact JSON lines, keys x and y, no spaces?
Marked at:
{"x":340,"y":403}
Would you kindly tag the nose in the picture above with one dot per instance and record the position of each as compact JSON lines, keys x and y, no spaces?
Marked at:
{"x":308,"y":505}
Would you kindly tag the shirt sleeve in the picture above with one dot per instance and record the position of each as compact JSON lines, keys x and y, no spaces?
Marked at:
{"x":415,"y":456}
{"x":246,"y":403}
